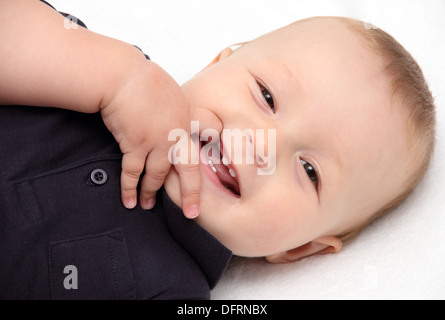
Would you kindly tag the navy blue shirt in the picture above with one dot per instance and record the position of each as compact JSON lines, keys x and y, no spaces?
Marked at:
{"x":64,"y":233}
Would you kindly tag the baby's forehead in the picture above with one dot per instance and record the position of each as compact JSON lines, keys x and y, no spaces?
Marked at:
{"x":315,"y":28}
{"x":322,"y":39}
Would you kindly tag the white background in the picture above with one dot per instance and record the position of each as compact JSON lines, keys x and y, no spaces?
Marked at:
{"x":401,"y":256}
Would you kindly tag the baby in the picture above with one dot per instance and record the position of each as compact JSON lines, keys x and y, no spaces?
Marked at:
{"x":355,"y":132}
{"x":353,"y":116}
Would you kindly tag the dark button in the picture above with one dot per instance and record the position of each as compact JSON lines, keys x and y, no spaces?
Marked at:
{"x":99,"y":176}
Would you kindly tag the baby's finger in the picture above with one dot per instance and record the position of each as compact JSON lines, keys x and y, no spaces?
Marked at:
{"x":190,"y":180}
{"x":156,"y":170}
{"x":190,"y":186}
{"x":132,"y":167}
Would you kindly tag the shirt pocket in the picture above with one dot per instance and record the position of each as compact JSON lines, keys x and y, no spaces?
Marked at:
{"x":68,"y":227}
{"x":91,"y":267}
{"x":77,"y":192}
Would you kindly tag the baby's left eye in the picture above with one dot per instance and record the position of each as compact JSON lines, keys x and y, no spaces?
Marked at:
{"x":310,"y":171}
{"x":267,"y":97}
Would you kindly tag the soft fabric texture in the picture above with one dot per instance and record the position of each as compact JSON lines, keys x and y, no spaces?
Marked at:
{"x":400,"y":256}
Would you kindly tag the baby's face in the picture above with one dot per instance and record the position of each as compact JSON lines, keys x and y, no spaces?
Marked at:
{"x":337,"y":144}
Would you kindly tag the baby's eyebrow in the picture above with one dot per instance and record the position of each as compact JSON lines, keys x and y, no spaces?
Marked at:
{"x":339,"y":165}
{"x":338,"y":161}
{"x":331,"y":160}
{"x":287,"y":71}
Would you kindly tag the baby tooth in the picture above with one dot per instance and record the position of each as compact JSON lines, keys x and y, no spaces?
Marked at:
{"x":225,"y":161}
{"x":232,"y":173}
{"x":212,"y":166}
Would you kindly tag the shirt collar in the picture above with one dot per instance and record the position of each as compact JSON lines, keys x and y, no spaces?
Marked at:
{"x":210,"y":254}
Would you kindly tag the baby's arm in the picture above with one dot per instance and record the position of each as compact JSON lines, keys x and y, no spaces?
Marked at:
{"x":46,"y":64}
{"x":43,"y":63}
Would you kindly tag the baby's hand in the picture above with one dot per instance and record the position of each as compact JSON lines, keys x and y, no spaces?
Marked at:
{"x":140,"y":116}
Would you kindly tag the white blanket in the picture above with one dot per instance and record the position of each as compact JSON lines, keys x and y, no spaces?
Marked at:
{"x":401,"y":256}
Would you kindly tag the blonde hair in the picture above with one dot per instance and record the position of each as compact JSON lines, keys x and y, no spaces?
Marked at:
{"x":411,"y":92}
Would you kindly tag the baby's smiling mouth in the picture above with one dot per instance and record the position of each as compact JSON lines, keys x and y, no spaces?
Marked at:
{"x":223,"y":170}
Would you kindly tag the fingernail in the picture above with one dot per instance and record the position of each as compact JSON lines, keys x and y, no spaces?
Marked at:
{"x":130,"y":203}
{"x":148,"y":204}
{"x":193,"y":211}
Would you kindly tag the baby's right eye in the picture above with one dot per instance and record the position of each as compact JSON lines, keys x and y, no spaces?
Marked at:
{"x":267,"y":97}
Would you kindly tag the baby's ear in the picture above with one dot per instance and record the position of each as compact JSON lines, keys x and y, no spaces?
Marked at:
{"x":322,"y":245}
{"x":221,"y":56}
